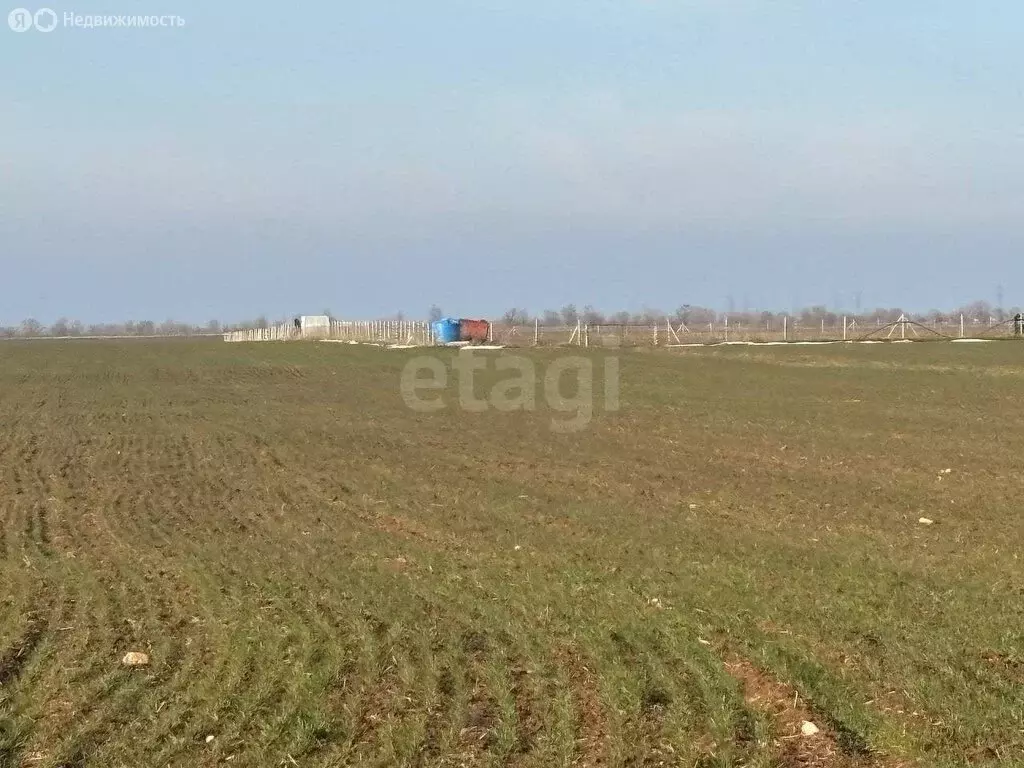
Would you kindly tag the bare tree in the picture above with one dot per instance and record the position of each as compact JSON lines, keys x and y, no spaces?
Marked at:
{"x":701,"y":315}
{"x":515,"y":316}
{"x":813,"y":315}
{"x":31,"y":327}
{"x":435,"y":313}
{"x":979,"y":310}
{"x":569,"y":315}
{"x":651,"y":316}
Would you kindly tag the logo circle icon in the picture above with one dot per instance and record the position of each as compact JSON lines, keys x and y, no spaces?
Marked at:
{"x":20,"y":20}
{"x":45,"y":20}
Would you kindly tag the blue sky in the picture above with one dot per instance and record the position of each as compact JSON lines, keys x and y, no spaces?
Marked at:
{"x":372,"y":157}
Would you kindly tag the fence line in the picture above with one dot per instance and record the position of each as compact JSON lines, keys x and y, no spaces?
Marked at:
{"x":668,"y":332}
{"x":395,"y":332}
{"x":665,"y":332}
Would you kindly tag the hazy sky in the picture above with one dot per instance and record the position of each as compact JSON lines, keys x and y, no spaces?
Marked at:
{"x":377,"y":156}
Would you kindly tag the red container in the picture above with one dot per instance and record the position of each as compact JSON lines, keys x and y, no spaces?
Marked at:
{"x":474,"y":330}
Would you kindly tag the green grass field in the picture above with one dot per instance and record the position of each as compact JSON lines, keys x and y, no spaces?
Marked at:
{"x":324,"y":577}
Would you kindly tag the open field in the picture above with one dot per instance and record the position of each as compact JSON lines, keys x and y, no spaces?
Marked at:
{"x":324,"y":577}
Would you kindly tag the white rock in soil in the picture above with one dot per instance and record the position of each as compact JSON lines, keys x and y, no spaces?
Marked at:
{"x":808,"y":728}
{"x":135,"y":659}
{"x":926,"y":521}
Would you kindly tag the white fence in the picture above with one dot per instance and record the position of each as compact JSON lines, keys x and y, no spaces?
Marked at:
{"x":368,"y":332}
{"x":780,"y":329}
{"x":664,"y":332}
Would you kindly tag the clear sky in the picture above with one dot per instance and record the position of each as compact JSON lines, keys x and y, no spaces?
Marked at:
{"x":385,"y":155}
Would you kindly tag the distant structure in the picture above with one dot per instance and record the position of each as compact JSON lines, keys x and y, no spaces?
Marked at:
{"x":449,"y":330}
{"x":321,"y":323}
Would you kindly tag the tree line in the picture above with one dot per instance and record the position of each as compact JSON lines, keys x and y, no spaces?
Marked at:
{"x":65,"y":327}
{"x":697,"y":316}
{"x":686,"y":314}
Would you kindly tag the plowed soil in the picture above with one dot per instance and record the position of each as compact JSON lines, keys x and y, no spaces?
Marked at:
{"x":322,"y":576}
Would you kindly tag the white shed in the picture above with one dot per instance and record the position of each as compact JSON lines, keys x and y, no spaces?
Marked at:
{"x":315,"y":321}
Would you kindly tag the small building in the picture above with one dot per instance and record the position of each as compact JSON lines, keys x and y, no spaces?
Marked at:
{"x":313,"y":326}
{"x":309,"y":322}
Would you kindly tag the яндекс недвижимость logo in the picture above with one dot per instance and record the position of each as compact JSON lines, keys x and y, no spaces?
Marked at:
{"x":22,"y":20}
{"x":47,"y":20}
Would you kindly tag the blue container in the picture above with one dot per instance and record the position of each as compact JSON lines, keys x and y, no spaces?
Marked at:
{"x":446,"y":330}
